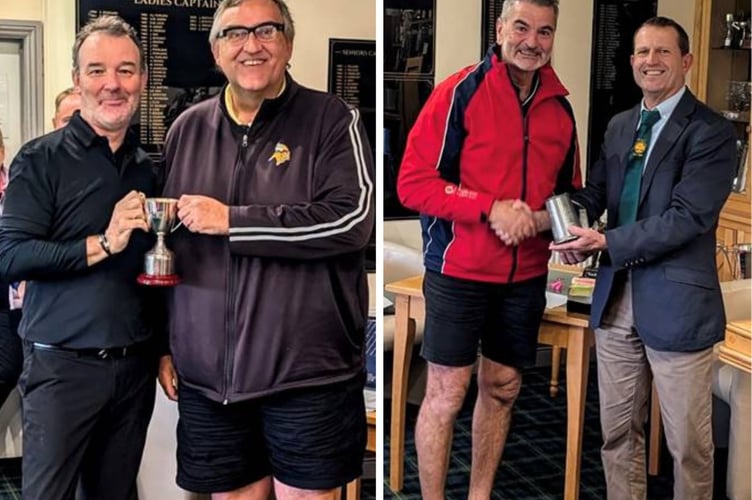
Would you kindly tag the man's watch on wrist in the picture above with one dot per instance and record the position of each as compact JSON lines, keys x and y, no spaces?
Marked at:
{"x":105,"y":244}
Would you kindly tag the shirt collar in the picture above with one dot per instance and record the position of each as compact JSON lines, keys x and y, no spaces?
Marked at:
{"x":666,"y":107}
{"x":86,"y":135}
{"x":230,"y":106}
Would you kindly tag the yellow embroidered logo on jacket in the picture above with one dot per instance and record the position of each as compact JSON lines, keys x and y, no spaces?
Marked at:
{"x":281,"y":154}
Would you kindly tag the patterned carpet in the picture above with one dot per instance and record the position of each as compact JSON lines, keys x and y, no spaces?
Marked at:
{"x":10,"y":479}
{"x":532,"y":467}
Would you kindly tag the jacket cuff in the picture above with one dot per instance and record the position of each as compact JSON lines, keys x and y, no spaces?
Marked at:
{"x":483,"y":206}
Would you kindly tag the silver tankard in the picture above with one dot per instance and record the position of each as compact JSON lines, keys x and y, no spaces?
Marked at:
{"x":562,"y":214}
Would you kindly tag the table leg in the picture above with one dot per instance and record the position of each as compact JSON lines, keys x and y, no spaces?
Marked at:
{"x":555,"y":367}
{"x":404,"y":334}
{"x":654,"y":449}
{"x":579,"y":341}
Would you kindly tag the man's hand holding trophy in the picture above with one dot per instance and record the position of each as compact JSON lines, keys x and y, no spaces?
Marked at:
{"x":199,"y":214}
{"x":127,"y":215}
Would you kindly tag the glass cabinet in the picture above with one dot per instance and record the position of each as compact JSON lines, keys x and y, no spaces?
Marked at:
{"x":721,"y":78}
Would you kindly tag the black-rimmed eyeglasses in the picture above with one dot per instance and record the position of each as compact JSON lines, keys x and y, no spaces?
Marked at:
{"x":264,"y":32}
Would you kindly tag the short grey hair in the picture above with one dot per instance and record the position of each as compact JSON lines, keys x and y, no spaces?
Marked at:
{"x":112,"y":26}
{"x":289,"y":30}
{"x":508,"y":4}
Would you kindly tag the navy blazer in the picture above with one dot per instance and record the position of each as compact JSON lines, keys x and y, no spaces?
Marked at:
{"x":670,"y":249}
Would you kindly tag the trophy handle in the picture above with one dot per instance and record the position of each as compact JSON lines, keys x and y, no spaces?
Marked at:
{"x":176,"y":226}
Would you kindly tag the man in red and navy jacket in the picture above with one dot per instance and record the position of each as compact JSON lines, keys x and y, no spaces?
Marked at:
{"x":493,"y":142}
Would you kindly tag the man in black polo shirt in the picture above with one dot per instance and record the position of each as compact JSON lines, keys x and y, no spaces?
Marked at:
{"x":74,"y":228}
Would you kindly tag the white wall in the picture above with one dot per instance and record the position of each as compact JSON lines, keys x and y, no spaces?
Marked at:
{"x":571,"y":60}
{"x":316,"y":21}
{"x":683,"y":12}
{"x":458,"y":36}
{"x":27,"y":10}
{"x":59,"y":18}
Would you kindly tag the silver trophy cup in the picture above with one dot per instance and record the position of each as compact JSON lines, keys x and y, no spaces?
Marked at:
{"x":562,"y":214}
{"x":159,"y":262}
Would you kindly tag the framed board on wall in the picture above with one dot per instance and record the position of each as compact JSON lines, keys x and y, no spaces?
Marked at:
{"x":352,"y":77}
{"x":409,"y":71}
{"x":612,"y":87}
{"x":409,"y":30}
{"x":181,"y":66}
{"x":491,"y":12}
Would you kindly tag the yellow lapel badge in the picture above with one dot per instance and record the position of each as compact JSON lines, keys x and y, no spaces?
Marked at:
{"x":281,"y":154}
{"x":639,"y":148}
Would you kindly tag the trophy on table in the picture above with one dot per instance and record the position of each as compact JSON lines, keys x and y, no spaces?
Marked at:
{"x":159,"y":262}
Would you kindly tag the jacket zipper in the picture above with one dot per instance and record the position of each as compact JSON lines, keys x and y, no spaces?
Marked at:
{"x":523,"y":194}
{"x":230,"y":326}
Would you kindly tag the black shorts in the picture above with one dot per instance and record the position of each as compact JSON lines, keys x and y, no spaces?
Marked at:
{"x":311,"y":438}
{"x":504,"y":318}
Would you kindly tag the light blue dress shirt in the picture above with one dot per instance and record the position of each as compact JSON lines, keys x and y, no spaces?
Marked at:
{"x":665,"y":109}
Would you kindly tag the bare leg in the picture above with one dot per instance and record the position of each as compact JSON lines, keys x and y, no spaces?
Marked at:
{"x":498,"y":387}
{"x":445,"y":391}
{"x":285,"y":492}
{"x":260,"y":490}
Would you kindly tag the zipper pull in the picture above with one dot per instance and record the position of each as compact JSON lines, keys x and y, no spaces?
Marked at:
{"x":245,"y":140}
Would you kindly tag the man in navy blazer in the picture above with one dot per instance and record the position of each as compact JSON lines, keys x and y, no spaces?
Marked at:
{"x":657,"y":304}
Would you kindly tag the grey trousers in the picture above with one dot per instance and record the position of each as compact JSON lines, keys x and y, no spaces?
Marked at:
{"x":683,"y":381}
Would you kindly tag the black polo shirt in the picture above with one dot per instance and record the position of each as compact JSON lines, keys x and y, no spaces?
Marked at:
{"x":63,"y":188}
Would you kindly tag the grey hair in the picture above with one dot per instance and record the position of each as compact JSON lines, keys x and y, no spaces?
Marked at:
{"x":508,"y":4}
{"x":112,"y":26}
{"x":289,"y":30}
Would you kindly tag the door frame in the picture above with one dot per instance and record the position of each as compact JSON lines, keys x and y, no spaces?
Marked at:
{"x":29,"y":35}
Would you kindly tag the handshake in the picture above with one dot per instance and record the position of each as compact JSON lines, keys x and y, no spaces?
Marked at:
{"x":513,"y":221}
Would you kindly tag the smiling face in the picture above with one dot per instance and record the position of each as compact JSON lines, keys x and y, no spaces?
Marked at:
{"x":658,"y":66}
{"x":110,"y":80}
{"x":253,"y":66}
{"x":526,"y":36}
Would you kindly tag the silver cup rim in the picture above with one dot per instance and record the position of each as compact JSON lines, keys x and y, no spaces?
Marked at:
{"x":160,"y":199}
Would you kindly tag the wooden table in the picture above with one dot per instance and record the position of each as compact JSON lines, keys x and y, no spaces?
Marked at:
{"x":353,"y":487}
{"x":559,"y":329}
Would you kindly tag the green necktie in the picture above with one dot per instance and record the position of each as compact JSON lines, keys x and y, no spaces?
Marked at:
{"x":630,"y":191}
